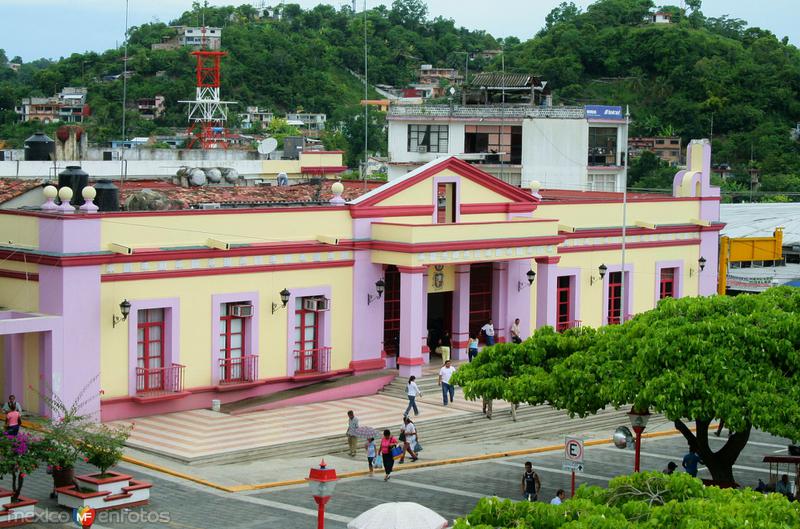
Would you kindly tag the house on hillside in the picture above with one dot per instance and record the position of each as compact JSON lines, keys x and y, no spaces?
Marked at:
{"x":194,"y":37}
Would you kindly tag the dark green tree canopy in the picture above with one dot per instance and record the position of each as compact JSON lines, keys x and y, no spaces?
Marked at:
{"x":732,"y":358}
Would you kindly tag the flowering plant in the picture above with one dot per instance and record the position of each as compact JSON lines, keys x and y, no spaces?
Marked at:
{"x":19,"y":456}
{"x":103,"y":446}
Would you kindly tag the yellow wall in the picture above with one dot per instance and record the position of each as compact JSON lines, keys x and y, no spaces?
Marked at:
{"x":448,"y":279}
{"x":606,"y":215}
{"x":462,"y":232}
{"x":239,"y":228}
{"x":30,"y":400}
{"x":644,"y":278}
{"x":18,"y":294}
{"x":19,"y":229}
{"x":327,"y":159}
{"x":290,"y":167}
{"x":195,"y":319}
{"x":422,"y":193}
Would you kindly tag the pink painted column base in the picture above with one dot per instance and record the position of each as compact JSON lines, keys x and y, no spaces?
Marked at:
{"x":500,"y":301}
{"x":460,"y":332}
{"x":412,"y":302}
{"x":546,"y":282}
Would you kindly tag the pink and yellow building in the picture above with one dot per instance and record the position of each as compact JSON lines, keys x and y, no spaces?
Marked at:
{"x":235,"y":303}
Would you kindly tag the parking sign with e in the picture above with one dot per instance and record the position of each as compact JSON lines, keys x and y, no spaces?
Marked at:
{"x":573,"y":449}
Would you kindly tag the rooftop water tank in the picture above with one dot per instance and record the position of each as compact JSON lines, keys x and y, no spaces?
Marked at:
{"x":76,"y":178}
{"x":40,"y":147}
{"x":107,"y":198}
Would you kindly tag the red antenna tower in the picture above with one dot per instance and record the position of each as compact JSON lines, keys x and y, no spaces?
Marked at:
{"x":207,"y":113}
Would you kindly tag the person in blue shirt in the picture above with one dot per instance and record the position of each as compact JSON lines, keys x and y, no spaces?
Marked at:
{"x":691,"y":460}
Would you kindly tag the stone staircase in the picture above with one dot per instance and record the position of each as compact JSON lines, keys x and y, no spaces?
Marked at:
{"x":468,"y":426}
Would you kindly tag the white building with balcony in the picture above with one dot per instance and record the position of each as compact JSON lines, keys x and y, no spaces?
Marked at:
{"x":580,"y":148}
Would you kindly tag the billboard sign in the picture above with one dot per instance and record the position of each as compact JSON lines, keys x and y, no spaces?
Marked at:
{"x":604,"y":112}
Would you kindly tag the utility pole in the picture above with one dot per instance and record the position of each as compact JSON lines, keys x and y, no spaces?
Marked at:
{"x":624,"y":216}
{"x":366,"y":97}
{"x":125,"y":75}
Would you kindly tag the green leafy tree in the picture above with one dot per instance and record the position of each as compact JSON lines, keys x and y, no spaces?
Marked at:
{"x":692,"y":359}
{"x":649,"y":500}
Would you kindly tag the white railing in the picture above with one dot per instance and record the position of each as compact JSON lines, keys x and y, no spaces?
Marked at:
{"x":485,"y":111}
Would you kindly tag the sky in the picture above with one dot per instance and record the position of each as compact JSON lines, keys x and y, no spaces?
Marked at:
{"x":27,"y":27}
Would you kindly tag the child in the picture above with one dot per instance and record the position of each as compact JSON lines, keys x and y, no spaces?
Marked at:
{"x":12,"y":422}
{"x":472,"y":346}
{"x":371,"y":453}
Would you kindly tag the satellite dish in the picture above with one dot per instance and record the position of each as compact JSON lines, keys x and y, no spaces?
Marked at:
{"x":623,"y":437}
{"x":267,"y":146}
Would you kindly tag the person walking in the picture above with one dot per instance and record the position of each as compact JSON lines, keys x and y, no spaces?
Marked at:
{"x":12,"y":404}
{"x":559,"y":498}
{"x":515,"y":337}
{"x":352,"y":438}
{"x":409,"y":440}
{"x":372,"y":452}
{"x":387,"y":443}
{"x":412,"y":390}
{"x":530,"y":483}
{"x":472,"y":347}
{"x":671,"y":466}
{"x":444,"y":347}
{"x":445,"y":373}
{"x":691,"y":460}
{"x":488,"y":331}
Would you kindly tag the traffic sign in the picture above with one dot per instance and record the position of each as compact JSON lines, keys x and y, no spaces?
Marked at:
{"x":573,"y":449}
{"x":574,"y":466}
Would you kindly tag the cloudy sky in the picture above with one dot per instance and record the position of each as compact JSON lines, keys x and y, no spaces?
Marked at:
{"x":55,"y":28}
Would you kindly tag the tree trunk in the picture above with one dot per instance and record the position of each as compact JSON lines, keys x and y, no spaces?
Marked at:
{"x":719,"y":463}
{"x":16,"y":485}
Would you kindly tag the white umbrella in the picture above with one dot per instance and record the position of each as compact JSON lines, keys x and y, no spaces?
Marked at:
{"x":398,"y":515}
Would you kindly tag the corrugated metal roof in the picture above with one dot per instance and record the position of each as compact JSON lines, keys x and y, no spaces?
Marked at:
{"x":760,"y":220}
{"x":509,"y":80}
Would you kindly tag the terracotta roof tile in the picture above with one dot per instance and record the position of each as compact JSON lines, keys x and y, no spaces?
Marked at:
{"x":14,"y":187}
{"x":187,"y":197}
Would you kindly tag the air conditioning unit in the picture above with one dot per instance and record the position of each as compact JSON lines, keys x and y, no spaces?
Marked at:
{"x":242,"y":310}
{"x":422,"y":148}
{"x":316,"y":304}
{"x":323,"y":304}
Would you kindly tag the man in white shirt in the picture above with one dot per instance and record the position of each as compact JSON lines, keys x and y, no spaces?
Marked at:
{"x":445,"y":373}
{"x":515,"y":337}
{"x":488,"y":331}
{"x":560,"y":496}
{"x":352,"y":438}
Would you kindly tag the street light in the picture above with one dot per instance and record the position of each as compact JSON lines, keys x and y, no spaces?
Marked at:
{"x":639,"y":423}
{"x":322,"y":482}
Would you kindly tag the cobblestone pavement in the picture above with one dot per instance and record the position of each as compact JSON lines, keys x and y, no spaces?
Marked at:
{"x":450,"y":490}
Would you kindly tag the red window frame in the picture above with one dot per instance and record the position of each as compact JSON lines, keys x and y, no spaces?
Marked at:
{"x":146,"y":325}
{"x":480,"y":296}
{"x":667,"y":283}
{"x":614,"y":298}
{"x":563,"y":302}
{"x":391,"y":311}
{"x":308,"y":357}
{"x":226,"y":324}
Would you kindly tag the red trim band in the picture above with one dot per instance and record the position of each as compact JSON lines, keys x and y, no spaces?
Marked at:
{"x":390,"y":211}
{"x":635,"y":245}
{"x":367,"y":365}
{"x":136,"y":276}
{"x":464,"y":245}
{"x":25,"y":276}
{"x":548,"y":260}
{"x":412,"y":269}
{"x":406,"y":361}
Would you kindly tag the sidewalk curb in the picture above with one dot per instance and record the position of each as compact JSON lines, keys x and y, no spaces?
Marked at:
{"x":359,"y":473}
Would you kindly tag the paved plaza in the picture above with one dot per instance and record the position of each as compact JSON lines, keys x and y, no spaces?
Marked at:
{"x":451,"y":490}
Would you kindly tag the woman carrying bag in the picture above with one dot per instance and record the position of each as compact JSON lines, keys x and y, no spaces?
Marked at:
{"x":387,"y":447}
